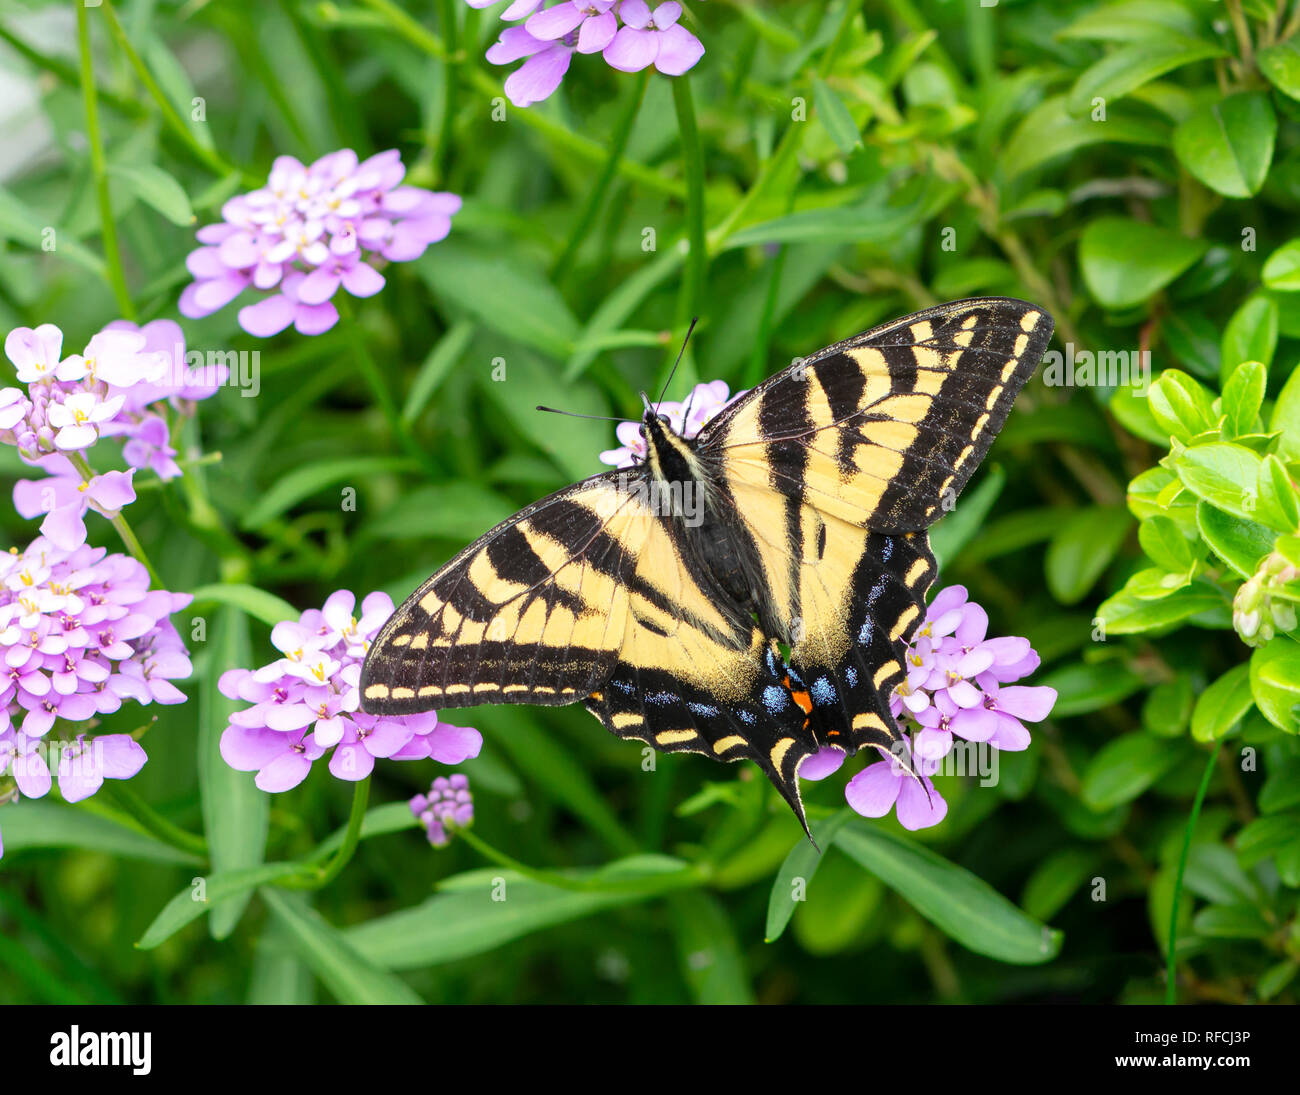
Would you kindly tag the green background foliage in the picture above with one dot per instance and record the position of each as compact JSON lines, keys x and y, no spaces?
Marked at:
{"x":1134,"y":167}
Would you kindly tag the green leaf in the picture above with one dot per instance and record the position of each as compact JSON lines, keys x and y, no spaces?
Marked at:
{"x":153,"y":186}
{"x":1286,"y":418}
{"x":1165,"y":544}
{"x":708,"y":950}
{"x":330,"y":954}
{"x":187,"y":906}
{"x":1127,"y":614}
{"x":1049,"y":131}
{"x":257,"y":603}
{"x":467,"y":919}
{"x":1133,"y":412}
{"x":1225,"y":475}
{"x":24,"y":225}
{"x":1228,"y":145}
{"x":961,"y":905}
{"x":1279,"y":508}
{"x":1125,"y":767}
{"x":1056,"y":880}
{"x":308,"y":479}
{"x":1131,"y":66}
{"x":835,"y":116}
{"x":1243,"y":396}
{"x":952,"y":532}
{"x":866,"y":224}
{"x":446,"y":352}
{"x":1081,"y":688}
{"x":37,"y":824}
{"x":1224,"y":704}
{"x":1126,"y":261}
{"x":505,"y":293}
{"x":1231,"y":922}
{"x":235,"y":812}
{"x":1238,"y":542}
{"x":459,"y":511}
{"x":1275,"y":682}
{"x":1276,"y":978}
{"x":1181,"y":404}
{"x":1082,"y":549}
{"x":1168,"y":707}
{"x":1251,"y":335}
{"x":801,"y":864}
{"x":1280,"y":65}
{"x":1282,"y":268}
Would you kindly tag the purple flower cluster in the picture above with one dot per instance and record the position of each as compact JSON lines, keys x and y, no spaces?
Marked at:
{"x":306,"y":704}
{"x":627,"y":33}
{"x":446,"y":809}
{"x":81,"y":632}
{"x":120,"y":386}
{"x":955,"y":688}
{"x":309,"y":231}
{"x":686,"y":418}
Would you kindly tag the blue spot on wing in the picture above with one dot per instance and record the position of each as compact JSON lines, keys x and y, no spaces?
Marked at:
{"x":852,"y":675}
{"x":661,"y":698}
{"x":823,"y":691}
{"x":747,"y":717}
{"x":705,"y":710}
{"x":864,"y":636}
{"x":887,"y":548}
{"x":877,"y":589}
{"x":623,"y":686}
{"x":775,"y":699}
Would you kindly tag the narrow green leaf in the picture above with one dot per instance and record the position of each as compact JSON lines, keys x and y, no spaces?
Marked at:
{"x":235,"y":812}
{"x":708,"y":950}
{"x":1131,"y":66}
{"x":257,"y":603}
{"x":1082,"y":549}
{"x":188,"y":905}
{"x":961,"y":905}
{"x":38,"y":824}
{"x":835,"y":116}
{"x":309,"y":479}
{"x":330,"y":954}
{"x":798,"y":870}
{"x":153,"y":186}
{"x":446,"y":352}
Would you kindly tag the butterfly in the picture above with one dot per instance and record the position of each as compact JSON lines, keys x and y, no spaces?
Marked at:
{"x":664,"y":597}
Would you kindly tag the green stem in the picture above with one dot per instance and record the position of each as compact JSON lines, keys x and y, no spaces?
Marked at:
{"x":119,"y":522}
{"x":688,"y":300}
{"x":447,"y":10}
{"x":153,"y":822}
{"x":596,"y":194}
{"x":691,"y":876}
{"x":1171,"y":968}
{"x":171,"y":117}
{"x":99,"y":168}
{"x":315,"y":877}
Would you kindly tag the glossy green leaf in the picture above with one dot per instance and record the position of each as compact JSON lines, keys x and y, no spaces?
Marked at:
{"x":1282,"y":268}
{"x":1243,"y":396}
{"x":1225,"y":475}
{"x":1280,"y":64}
{"x":1251,"y":335}
{"x":1222,"y":705}
{"x":1239,"y":542}
{"x":1124,"y":262}
{"x":1165,"y":544}
{"x":1275,"y":682}
{"x":1228,"y":145}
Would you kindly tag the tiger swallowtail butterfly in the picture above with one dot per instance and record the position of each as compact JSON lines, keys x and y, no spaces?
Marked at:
{"x":814,"y":492}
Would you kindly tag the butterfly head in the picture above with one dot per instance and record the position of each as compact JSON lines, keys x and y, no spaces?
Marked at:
{"x":667,"y":452}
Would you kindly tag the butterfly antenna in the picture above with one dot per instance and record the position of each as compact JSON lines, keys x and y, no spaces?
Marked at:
{"x":680,"y":353}
{"x":575,"y":414}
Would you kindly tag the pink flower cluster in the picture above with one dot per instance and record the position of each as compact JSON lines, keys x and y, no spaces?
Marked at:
{"x":81,"y":632}
{"x":306,"y":704}
{"x":119,"y":386}
{"x":627,"y":33}
{"x":956,"y":686}
{"x":309,"y":231}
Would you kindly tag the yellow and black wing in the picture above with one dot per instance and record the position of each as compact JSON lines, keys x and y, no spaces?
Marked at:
{"x":589,"y":595}
{"x":836,"y":467}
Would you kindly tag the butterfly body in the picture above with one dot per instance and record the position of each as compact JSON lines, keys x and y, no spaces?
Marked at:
{"x":660,"y":596}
